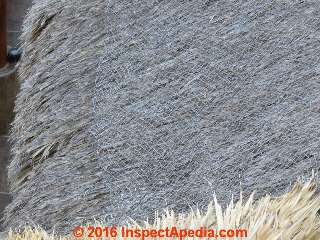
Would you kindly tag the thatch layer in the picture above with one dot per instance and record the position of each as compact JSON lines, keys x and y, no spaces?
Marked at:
{"x":127,"y":107}
{"x":291,"y":216}
{"x":52,"y":149}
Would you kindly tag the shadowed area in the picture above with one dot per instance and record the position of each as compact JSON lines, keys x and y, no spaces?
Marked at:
{"x":4,"y":150}
{"x":16,"y":12}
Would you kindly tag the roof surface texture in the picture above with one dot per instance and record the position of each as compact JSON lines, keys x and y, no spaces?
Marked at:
{"x":127,"y":107}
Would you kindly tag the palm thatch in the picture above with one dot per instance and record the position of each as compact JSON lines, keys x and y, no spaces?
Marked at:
{"x":291,"y":216}
{"x":127,"y":107}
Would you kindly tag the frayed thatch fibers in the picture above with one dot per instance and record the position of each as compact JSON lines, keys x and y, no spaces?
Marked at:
{"x":291,"y":216}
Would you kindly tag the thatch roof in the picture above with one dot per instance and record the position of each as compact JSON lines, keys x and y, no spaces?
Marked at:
{"x":127,"y":107}
{"x":291,"y":216}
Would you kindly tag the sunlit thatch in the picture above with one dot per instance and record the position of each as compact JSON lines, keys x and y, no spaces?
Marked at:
{"x":291,"y":216}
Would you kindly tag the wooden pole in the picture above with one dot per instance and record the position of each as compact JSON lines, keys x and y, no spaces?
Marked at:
{"x":3,"y":33}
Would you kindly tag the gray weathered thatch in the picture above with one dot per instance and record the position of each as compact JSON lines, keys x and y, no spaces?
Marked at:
{"x":127,"y":107}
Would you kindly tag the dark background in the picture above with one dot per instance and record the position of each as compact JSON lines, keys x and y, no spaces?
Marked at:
{"x":16,"y":12}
